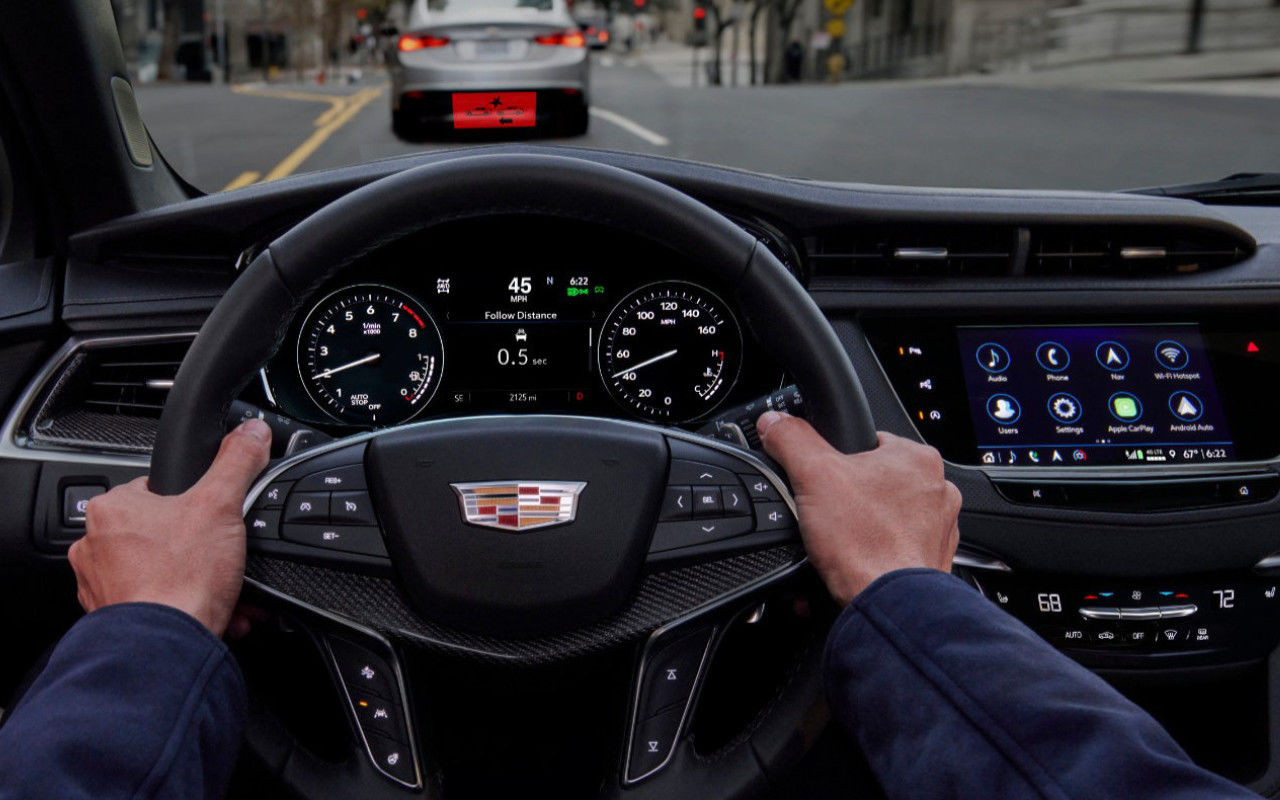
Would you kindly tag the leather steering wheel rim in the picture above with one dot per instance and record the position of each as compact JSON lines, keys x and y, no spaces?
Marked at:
{"x":248,"y":324}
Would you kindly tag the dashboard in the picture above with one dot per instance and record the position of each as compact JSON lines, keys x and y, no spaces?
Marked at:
{"x":547,"y":319}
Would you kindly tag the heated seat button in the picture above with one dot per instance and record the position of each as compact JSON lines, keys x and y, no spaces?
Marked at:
{"x":678,"y":503}
{"x":262,"y":523}
{"x":392,"y":757}
{"x":361,"y":539}
{"x":351,"y":508}
{"x":339,"y":479}
{"x":652,"y":742}
{"x":361,"y":670}
{"x":307,"y":507}
{"x":379,"y":715}
{"x":707,"y":501}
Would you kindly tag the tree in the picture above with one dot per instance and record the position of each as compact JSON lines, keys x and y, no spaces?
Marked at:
{"x":169,"y":38}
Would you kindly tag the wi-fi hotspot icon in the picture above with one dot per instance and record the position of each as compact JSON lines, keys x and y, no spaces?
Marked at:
{"x":1171,"y":354}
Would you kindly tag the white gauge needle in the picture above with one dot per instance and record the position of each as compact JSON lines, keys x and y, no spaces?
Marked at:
{"x":356,"y":363}
{"x":643,"y":364}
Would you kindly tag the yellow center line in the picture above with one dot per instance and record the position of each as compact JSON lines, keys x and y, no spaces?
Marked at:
{"x":243,"y":179}
{"x":332,"y":122}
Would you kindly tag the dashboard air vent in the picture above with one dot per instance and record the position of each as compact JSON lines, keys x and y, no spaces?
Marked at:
{"x":1130,"y":251}
{"x":108,"y":396}
{"x":913,"y":251}
{"x":988,"y":251}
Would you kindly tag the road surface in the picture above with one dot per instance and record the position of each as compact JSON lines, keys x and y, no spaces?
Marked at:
{"x":915,"y":133}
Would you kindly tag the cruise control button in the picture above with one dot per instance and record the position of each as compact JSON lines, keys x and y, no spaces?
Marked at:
{"x":340,"y":479}
{"x":307,"y":507}
{"x":380,"y":715}
{"x":759,"y":488}
{"x":352,"y":508}
{"x":360,"y":539}
{"x":773,"y":517}
{"x":735,"y":501}
{"x":707,"y":501}
{"x":652,"y":742}
{"x":678,"y":503}
{"x":361,"y":670}
{"x":392,"y":757}
{"x":698,"y":474}
{"x":671,"y":535}
{"x":262,"y":524}
{"x":273,"y":496}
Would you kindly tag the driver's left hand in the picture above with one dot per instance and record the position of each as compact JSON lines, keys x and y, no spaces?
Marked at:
{"x":185,"y":551}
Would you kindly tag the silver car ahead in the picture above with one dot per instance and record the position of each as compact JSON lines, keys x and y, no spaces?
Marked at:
{"x":476,"y":66}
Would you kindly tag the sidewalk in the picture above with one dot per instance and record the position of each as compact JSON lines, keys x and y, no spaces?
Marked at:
{"x":675,"y":63}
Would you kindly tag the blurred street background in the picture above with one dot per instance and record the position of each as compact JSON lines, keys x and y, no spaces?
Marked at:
{"x":1090,"y":94}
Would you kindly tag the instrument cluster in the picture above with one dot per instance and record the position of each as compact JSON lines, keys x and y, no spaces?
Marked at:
{"x":447,"y":325}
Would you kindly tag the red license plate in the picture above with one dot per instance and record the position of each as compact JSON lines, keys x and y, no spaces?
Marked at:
{"x":495,"y":109}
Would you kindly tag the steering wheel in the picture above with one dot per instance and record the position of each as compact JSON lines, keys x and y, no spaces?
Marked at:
{"x":604,"y":573}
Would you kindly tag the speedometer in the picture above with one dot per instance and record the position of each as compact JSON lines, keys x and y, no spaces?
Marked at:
{"x":670,"y":351}
{"x":370,"y":355}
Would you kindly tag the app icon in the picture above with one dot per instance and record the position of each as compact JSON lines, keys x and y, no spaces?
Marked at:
{"x":993,"y":358}
{"x":1125,"y":407}
{"x":1064,"y":407}
{"x":1034,"y":455}
{"x":1186,"y":406}
{"x":1112,"y":355}
{"x":1172,"y":355}
{"x":1004,"y":409}
{"x":1053,"y":356}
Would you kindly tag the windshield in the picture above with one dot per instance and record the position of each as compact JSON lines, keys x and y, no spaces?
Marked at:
{"x":1045,"y":94}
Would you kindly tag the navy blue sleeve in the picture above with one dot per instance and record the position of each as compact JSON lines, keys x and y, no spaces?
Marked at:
{"x":948,"y":696}
{"x":138,"y":701}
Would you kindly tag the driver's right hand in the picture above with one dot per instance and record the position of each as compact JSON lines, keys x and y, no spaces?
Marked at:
{"x":867,"y":514}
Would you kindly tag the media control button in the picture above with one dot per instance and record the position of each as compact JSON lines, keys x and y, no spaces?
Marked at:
{"x":758,"y":488}
{"x":1053,"y":356}
{"x":993,"y":358}
{"x":773,"y":517}
{"x":695,"y":473}
{"x":1112,"y":355}
{"x":673,"y":535}
{"x":735,"y":500}
{"x":677,"y":504}
{"x":707,"y":501}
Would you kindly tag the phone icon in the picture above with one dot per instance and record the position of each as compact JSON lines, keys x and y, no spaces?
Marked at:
{"x":1053,"y":356}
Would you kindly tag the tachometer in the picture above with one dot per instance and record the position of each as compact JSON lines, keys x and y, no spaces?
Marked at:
{"x":670,"y":351}
{"x":370,"y":355}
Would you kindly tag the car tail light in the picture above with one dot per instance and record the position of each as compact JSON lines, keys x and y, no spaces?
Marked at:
{"x":604,"y":36}
{"x":563,"y":39}
{"x":420,"y":41}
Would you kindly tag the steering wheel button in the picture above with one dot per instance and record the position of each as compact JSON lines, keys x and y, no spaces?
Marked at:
{"x":361,"y":670}
{"x":273,"y":496}
{"x":678,"y":503}
{"x":773,"y":517}
{"x":379,"y":715}
{"x":671,"y":670}
{"x":736,"y":503}
{"x":392,"y":757}
{"x":361,"y":539}
{"x":696,"y":474}
{"x":262,"y":524}
{"x":307,"y":507}
{"x":672,"y":535}
{"x":761,"y":489}
{"x":354,"y":508}
{"x":652,"y":742}
{"x":349,"y":478}
{"x":707,"y":502}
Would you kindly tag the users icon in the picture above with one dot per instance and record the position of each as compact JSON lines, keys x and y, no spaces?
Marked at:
{"x":1004,"y":409}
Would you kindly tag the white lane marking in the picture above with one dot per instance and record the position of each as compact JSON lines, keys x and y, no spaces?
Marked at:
{"x":630,"y":126}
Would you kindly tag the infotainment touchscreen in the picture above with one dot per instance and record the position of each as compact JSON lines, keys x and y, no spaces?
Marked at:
{"x":1088,"y":396}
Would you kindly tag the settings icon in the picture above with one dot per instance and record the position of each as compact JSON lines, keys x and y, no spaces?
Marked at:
{"x":1064,"y":407}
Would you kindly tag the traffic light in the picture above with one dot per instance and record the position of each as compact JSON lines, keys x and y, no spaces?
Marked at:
{"x":700,"y":19}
